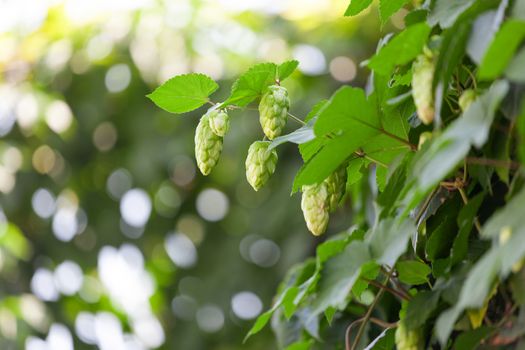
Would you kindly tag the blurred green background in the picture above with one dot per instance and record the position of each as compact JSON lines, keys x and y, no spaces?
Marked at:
{"x":109,"y":237}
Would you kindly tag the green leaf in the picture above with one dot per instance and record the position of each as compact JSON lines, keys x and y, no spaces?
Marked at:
{"x":14,"y":241}
{"x":470,"y":340}
{"x":420,"y":308}
{"x":497,"y":262}
{"x":413,"y":272}
{"x":302,"y":135}
{"x":286,"y":68}
{"x":259,"y":324}
{"x":357,"y":6}
{"x":502,"y":49}
{"x":518,"y":11}
{"x":389,"y":240}
{"x":183,"y":93}
{"x":446,"y":151}
{"x":353,"y":171}
{"x":251,"y":84}
{"x":384,"y":341}
{"x":516,"y":69}
{"x":446,"y":12}
{"x":388,"y":7}
{"x":302,"y":345}
{"x":402,"y":49}
{"x":339,"y":275}
{"x":483,"y":31}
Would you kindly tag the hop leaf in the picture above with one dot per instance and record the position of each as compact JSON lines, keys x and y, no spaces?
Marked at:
{"x":219,"y":122}
{"x":422,"y":75}
{"x":208,"y":146}
{"x":466,"y":99}
{"x":273,"y":111}
{"x":260,"y":164}
{"x":423,"y":138}
{"x":335,"y":184}
{"x":407,"y":339}
{"x":314,"y":204}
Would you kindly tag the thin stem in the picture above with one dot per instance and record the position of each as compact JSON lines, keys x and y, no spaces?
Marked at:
{"x":465,"y":201}
{"x":296,"y":119}
{"x":369,"y":312}
{"x":382,"y":323}
{"x":392,"y":291}
{"x":425,"y":205}
{"x":471,"y":76}
{"x":348,"y":330}
{"x":395,"y":137}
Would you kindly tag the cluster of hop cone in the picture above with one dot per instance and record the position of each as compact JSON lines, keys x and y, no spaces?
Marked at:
{"x":318,"y":200}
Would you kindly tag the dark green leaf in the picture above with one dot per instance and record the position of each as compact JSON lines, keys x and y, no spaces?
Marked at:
{"x":388,"y":7}
{"x":384,"y":341}
{"x":402,"y":49}
{"x":415,"y":16}
{"x":446,"y":12}
{"x":511,"y":217}
{"x":353,"y":171}
{"x":420,"y":308}
{"x":471,"y":339}
{"x":356,"y":6}
{"x":184,"y":93}
{"x":502,"y":49}
{"x":413,"y":272}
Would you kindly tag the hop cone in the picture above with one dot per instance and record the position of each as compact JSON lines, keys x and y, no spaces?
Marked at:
{"x":273,"y":111}
{"x":466,"y":99}
{"x":260,"y":164}
{"x":208,"y":146}
{"x":219,"y":122}
{"x":422,"y":75}
{"x":408,"y":339}
{"x":314,"y":204}
{"x":335,"y":184}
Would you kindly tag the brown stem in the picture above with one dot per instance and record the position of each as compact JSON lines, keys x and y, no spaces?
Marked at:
{"x":397,"y":293}
{"x":369,"y":312}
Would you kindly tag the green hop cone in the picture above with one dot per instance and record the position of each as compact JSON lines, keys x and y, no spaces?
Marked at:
{"x":408,"y":339}
{"x":314,"y":204}
{"x":422,"y":75}
{"x":219,"y":122}
{"x":208,"y":146}
{"x":260,"y":164}
{"x":273,"y":111}
{"x":466,"y":99}
{"x":335,"y":184}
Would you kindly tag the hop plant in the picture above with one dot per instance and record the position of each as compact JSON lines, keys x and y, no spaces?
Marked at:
{"x":424,"y":138}
{"x":260,"y":164}
{"x":273,"y":111}
{"x":335,"y":184}
{"x":466,"y":99}
{"x":208,"y":146}
{"x":219,"y":122}
{"x":407,"y":339}
{"x":422,"y":75}
{"x":315,"y":207}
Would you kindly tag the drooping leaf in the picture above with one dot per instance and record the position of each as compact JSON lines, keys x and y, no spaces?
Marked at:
{"x":413,"y":272}
{"x":184,"y":93}
{"x":356,"y":7}
{"x":502,"y":49}
{"x":402,"y":49}
{"x":388,"y":7}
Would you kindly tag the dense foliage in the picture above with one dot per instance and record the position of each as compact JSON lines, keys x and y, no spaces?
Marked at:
{"x":432,"y":152}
